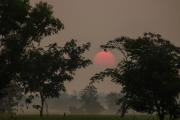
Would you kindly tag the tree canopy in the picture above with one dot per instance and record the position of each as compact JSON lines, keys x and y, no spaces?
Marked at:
{"x":149,"y":73}
{"x":111,"y":100}
{"x":22,"y":26}
{"x":89,"y":100}
{"x":37,"y":70}
{"x":45,"y":71}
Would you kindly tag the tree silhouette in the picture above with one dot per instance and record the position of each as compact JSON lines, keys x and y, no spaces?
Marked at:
{"x":22,"y":26}
{"x":149,"y":73}
{"x":89,"y":99}
{"x":111,"y":101}
{"x":124,"y":106}
{"x":45,"y":71}
{"x":23,"y":61}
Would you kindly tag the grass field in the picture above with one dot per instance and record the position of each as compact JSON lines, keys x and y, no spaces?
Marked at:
{"x":78,"y":117}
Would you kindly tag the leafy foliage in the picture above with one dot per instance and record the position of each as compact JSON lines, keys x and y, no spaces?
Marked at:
{"x":111,"y":100}
{"x":117,"y":102}
{"x":45,"y":71}
{"x":22,"y":26}
{"x":89,"y":99}
{"x":149,"y":73}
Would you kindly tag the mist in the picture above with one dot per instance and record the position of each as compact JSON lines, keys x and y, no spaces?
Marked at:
{"x":70,"y":104}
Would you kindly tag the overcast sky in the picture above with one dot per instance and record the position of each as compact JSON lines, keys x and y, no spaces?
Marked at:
{"x":98,"y":21}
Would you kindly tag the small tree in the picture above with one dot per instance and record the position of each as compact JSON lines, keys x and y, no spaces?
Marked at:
{"x":111,"y":101}
{"x":74,"y":101}
{"x":89,"y":99}
{"x":149,"y":73}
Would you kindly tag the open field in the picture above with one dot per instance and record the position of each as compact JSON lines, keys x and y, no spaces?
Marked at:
{"x":78,"y":117}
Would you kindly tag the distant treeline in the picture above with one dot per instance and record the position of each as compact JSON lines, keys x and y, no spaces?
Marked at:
{"x":73,"y":102}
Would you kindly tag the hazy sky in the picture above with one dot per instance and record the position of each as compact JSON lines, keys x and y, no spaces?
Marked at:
{"x":98,"y":21}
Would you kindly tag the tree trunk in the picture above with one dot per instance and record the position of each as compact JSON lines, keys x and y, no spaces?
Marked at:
{"x":124,"y":108}
{"x":42,"y":104}
{"x":123,"y":112}
{"x":161,"y":117}
{"x":160,"y":114}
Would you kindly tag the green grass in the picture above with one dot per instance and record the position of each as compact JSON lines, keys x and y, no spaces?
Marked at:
{"x":78,"y":117}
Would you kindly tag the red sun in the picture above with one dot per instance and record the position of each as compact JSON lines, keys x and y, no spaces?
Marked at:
{"x":104,"y":59}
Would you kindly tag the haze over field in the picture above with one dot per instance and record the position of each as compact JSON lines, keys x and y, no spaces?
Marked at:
{"x":65,"y":101}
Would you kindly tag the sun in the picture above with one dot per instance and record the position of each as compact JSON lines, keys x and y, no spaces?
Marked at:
{"x":104,"y":59}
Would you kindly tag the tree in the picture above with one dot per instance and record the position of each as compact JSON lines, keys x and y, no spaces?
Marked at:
{"x":149,"y":73}
{"x":111,"y":100}
{"x":45,"y":71}
{"x":74,"y":101}
{"x":102,"y":98}
{"x":124,"y":106}
{"x":9,"y":103}
{"x":89,"y":100}
{"x":117,"y":101}
{"x":22,"y":26}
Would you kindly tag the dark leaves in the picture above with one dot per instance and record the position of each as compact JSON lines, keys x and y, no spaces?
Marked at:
{"x":148,"y":73}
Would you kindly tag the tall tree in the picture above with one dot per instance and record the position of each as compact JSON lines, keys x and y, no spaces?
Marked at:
{"x":45,"y":71}
{"x":89,"y":100}
{"x":22,"y":26}
{"x":149,"y":73}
